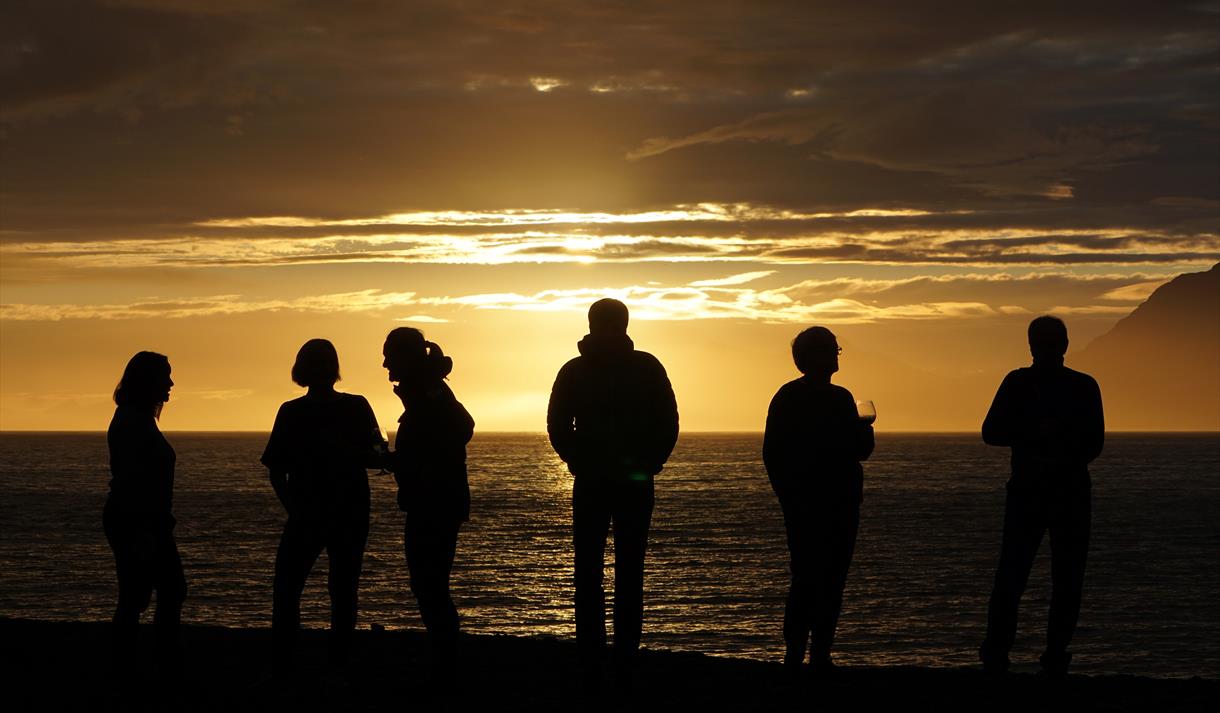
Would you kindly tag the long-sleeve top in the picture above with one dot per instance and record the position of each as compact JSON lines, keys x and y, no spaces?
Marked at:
{"x":1051,"y":417}
{"x":141,"y":467}
{"x":429,"y":459}
{"x":814,"y":443}
{"x":612,"y":410}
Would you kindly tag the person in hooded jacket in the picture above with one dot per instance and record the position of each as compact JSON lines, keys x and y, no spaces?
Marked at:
{"x":613,"y":419}
{"x":429,"y":465}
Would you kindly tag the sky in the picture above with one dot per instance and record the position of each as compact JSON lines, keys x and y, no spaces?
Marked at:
{"x":222,"y":180}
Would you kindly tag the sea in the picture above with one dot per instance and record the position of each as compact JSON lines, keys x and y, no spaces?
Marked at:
{"x":717,"y":568}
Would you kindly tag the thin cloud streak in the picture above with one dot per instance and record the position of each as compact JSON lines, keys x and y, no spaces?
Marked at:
{"x":837,"y":301}
{"x":753,"y":237}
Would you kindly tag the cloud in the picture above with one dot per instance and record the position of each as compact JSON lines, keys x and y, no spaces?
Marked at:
{"x":839,"y":301}
{"x":974,"y":146}
{"x":1138,"y":292}
{"x":741,"y":279}
{"x":705,"y":232}
{"x":422,"y":319}
{"x":217,"y":305}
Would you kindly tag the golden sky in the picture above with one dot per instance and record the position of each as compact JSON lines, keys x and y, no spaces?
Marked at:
{"x":221,"y":181}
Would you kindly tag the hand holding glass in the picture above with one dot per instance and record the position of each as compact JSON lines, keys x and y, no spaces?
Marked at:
{"x":866,"y":412}
{"x":383,"y":448}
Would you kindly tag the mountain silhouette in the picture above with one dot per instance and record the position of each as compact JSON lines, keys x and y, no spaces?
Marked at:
{"x":1159,"y":367}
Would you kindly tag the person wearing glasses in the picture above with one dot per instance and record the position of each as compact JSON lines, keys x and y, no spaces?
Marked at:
{"x":812,"y":449}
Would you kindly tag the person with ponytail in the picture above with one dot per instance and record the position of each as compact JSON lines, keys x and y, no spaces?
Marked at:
{"x":429,"y":464}
{"x":138,"y":518}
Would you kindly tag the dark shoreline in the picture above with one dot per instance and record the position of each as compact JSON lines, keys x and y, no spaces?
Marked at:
{"x":65,"y":666}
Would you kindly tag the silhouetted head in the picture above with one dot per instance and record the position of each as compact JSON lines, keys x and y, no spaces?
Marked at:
{"x":145,"y":383}
{"x":411,"y":358}
{"x":317,"y":364}
{"x":608,"y":316}
{"x":1048,"y":338}
{"x":816,"y":352}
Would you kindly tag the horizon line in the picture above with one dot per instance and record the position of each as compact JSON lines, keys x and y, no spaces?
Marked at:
{"x":699,"y":432}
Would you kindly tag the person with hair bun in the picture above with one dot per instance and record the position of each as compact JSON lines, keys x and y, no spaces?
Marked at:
{"x":317,"y":456}
{"x":138,"y":518}
{"x":429,"y":465}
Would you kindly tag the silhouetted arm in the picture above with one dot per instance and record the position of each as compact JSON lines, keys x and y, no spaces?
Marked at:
{"x":279,"y":483}
{"x":275,"y":458}
{"x":1093,"y":424}
{"x":370,"y":445}
{"x":999,"y":427}
{"x":561,"y":415}
{"x":461,"y":424}
{"x":666,"y":414}
{"x":778,"y":443}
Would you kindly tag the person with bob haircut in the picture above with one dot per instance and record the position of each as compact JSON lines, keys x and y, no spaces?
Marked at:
{"x":138,"y":516}
{"x":317,"y":456}
{"x":429,"y":465}
{"x":812,"y":449}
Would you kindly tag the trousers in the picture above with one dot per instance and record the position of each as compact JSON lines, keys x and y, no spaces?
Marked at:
{"x":343,"y":536}
{"x":146,"y":560}
{"x":1028,"y":515}
{"x":431,"y":545}
{"x":599,"y":502}
{"x":821,"y":541}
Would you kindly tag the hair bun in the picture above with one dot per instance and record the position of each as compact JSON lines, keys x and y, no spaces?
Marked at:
{"x":441,"y":364}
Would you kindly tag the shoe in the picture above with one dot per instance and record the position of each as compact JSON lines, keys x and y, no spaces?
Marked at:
{"x":822,"y":668}
{"x":994,"y":664}
{"x":1055,"y":666}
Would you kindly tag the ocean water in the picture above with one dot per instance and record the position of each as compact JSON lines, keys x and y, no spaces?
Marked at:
{"x":717,"y":563}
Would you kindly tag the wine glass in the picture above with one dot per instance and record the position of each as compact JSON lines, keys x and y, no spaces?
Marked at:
{"x":866,"y":411}
{"x":383,"y":447}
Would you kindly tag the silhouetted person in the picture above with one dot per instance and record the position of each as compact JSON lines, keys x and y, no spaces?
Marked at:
{"x":812,"y":450}
{"x":1052,"y":419}
{"x":613,"y":419}
{"x":317,"y":454}
{"x":138,"y":518}
{"x":429,"y":464}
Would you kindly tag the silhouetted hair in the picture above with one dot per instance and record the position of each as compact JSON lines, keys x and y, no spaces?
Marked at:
{"x":423,"y":358}
{"x":1048,"y":337}
{"x":142,"y":383}
{"x":812,"y":348}
{"x":317,"y":364}
{"x":608,"y":316}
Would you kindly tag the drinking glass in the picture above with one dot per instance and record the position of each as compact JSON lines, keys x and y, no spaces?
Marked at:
{"x":383,"y":447}
{"x":866,"y":411}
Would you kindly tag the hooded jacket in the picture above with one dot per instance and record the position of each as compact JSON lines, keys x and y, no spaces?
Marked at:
{"x":612,"y":410}
{"x":430,"y":454}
